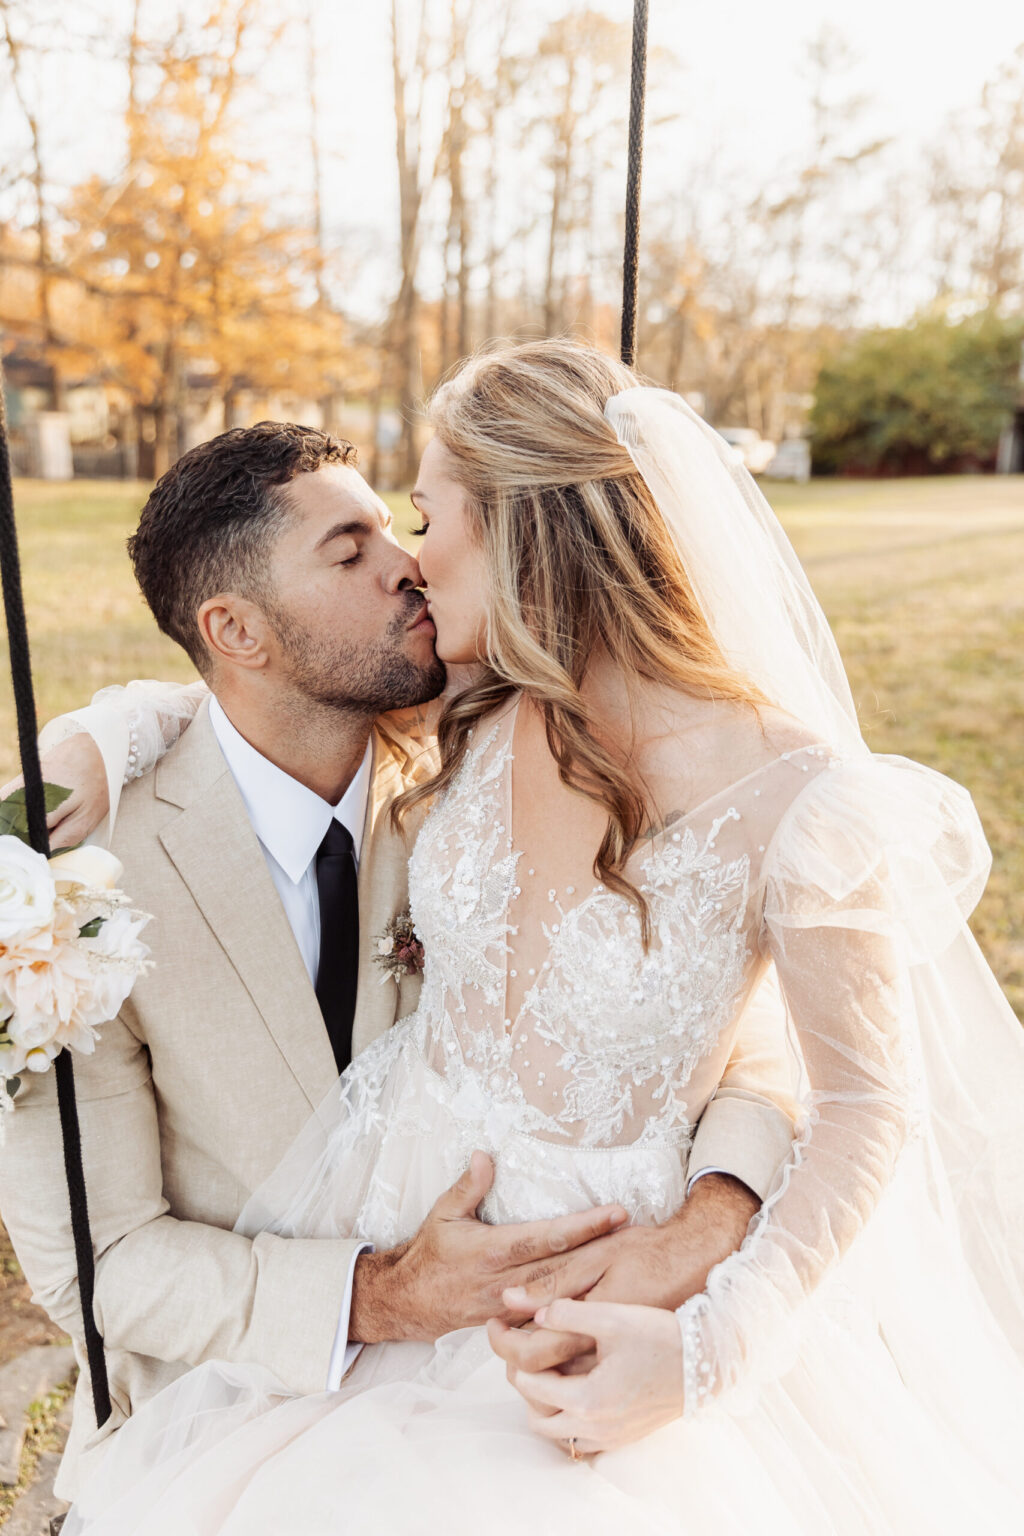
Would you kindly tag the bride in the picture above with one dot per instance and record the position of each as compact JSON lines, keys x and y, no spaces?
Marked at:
{"x":653,"y":790}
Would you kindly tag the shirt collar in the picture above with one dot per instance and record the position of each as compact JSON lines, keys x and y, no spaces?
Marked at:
{"x":289,"y":819}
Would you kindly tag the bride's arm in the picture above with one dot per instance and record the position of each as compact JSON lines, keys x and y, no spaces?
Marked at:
{"x":866,"y":878}
{"x":96,"y":750}
{"x":851,"y":909}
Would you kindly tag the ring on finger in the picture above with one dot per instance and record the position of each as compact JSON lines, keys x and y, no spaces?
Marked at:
{"x":573,"y":1452}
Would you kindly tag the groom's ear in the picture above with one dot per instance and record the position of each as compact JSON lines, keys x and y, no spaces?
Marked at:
{"x":235,"y":630}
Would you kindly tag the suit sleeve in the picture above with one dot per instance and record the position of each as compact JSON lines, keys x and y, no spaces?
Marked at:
{"x":747,"y":1129}
{"x":173,"y":1290}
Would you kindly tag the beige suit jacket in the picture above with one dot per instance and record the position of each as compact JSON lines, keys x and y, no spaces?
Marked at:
{"x":212,"y":1068}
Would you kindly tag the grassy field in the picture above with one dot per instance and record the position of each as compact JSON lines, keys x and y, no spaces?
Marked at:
{"x":921,"y":579}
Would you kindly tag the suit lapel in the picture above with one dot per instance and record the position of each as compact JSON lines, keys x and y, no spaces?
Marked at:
{"x":215,"y":850}
{"x":383,"y":893}
{"x":217,"y":854}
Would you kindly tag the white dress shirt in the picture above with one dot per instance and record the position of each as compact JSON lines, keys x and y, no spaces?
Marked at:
{"x":291,"y":822}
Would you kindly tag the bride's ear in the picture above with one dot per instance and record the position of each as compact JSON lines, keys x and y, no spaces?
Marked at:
{"x":234,"y":630}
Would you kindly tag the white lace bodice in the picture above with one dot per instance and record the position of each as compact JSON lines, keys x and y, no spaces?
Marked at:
{"x":548,"y":995}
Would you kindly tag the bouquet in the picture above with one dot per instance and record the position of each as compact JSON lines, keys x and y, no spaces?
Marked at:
{"x":70,"y":950}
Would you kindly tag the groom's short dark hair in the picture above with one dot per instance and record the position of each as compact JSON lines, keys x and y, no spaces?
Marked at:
{"x":211,"y":520}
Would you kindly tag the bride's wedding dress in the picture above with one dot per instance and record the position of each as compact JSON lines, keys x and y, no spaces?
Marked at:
{"x":855,"y":1369}
{"x":843,"y":1372}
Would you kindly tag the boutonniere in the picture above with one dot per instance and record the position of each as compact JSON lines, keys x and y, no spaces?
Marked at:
{"x":399,"y":950}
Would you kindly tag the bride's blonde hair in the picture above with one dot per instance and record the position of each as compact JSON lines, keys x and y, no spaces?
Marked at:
{"x":579,"y":557}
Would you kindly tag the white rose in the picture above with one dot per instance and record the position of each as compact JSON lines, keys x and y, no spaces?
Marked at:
{"x":95,"y":867}
{"x":117,"y":942}
{"x":27,"y":890}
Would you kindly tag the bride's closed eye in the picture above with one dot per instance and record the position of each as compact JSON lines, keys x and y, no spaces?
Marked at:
{"x":418,"y":533}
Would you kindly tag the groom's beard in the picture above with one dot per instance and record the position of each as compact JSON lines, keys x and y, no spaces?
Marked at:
{"x":366,"y":681}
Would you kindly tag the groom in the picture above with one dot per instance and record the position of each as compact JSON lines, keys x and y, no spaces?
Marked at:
{"x":263,"y":848}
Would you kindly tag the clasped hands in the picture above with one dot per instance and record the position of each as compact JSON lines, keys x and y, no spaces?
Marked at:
{"x":580,"y":1307}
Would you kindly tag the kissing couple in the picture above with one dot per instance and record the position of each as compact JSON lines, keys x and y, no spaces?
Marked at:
{"x":673,"y":1181}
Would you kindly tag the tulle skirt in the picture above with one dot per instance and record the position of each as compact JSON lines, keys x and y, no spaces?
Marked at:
{"x":899,"y":1411}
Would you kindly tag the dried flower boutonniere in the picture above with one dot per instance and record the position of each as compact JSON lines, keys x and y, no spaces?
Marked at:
{"x":399,"y":951}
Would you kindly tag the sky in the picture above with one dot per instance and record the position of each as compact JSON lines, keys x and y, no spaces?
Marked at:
{"x":741,"y":85}
{"x":741,"y":99}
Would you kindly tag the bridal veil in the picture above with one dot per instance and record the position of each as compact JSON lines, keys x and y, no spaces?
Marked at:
{"x":910,"y":1157}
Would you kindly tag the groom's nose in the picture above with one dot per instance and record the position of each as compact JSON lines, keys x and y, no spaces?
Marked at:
{"x":403,"y":573}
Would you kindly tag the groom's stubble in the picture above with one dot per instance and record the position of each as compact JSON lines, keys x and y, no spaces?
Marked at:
{"x":364,"y":680}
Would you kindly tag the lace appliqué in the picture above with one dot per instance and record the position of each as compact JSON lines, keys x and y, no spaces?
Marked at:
{"x":624,"y":1029}
{"x":625,"y":1021}
{"x":462,"y":878}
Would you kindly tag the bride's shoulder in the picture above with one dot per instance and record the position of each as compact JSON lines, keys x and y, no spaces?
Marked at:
{"x":704,"y":747}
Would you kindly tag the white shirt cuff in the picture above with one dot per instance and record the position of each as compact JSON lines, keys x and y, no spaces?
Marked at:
{"x":344,"y":1353}
{"x":700,"y":1174}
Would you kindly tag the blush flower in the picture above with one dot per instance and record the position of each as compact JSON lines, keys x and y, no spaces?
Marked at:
{"x":70,"y":953}
{"x":399,"y":949}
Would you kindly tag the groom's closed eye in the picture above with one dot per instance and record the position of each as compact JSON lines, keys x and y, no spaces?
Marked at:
{"x":343,"y":541}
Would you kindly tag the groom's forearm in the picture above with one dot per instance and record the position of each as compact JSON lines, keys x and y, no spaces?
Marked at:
{"x":186,"y":1292}
{"x":377,"y":1313}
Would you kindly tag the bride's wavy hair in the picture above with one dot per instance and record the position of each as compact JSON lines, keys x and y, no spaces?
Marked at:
{"x":579,"y":557}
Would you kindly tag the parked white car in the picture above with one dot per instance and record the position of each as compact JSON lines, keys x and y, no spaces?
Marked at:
{"x":749,"y":447}
{"x":791,"y":462}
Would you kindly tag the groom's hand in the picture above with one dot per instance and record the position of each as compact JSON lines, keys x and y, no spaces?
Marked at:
{"x":652,"y":1266}
{"x":454,"y":1272}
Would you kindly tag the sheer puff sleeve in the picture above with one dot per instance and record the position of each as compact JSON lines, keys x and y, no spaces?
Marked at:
{"x":867,"y":879}
{"x":133,"y":726}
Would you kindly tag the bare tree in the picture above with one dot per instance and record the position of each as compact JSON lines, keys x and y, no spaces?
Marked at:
{"x":328,"y":320}
{"x":578,"y":80}
{"x":454,"y":337}
{"x":977,"y":194}
{"x":496,"y":95}
{"x":409,"y":78}
{"x":37,"y":177}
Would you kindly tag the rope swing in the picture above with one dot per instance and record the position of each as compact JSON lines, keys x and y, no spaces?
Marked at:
{"x":631,"y":253}
{"x":39,"y":837}
{"x":24,"y":701}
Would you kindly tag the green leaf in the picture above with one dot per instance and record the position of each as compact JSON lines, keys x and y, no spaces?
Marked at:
{"x":14,"y":812}
{"x":10,"y":821}
{"x":55,"y":795}
{"x":13,"y":1084}
{"x":91,"y":929}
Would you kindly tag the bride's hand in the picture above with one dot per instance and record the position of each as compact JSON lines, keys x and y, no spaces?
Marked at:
{"x":660,"y":1266}
{"x":77,"y":764}
{"x":634,"y":1387}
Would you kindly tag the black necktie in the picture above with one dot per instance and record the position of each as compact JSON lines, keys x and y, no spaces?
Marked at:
{"x":338,"y":970}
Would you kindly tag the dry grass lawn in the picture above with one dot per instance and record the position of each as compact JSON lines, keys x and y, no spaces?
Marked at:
{"x":921,"y":579}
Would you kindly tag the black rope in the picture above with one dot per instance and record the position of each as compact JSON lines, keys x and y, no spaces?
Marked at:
{"x":630,"y":259}
{"x":35,"y":805}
